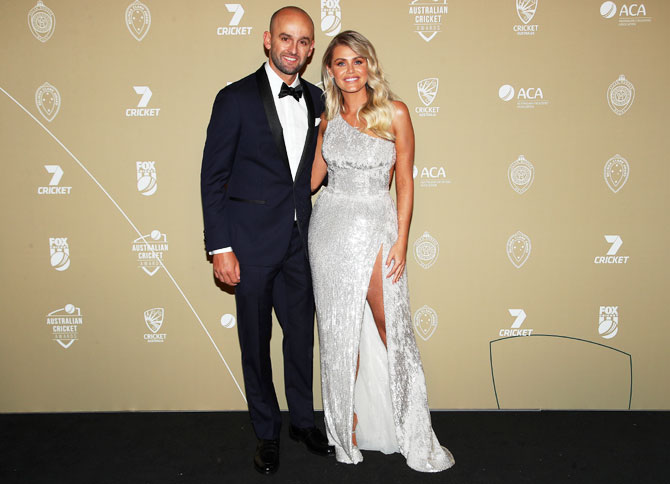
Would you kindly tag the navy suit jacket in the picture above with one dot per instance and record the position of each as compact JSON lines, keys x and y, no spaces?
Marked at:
{"x":248,"y":194}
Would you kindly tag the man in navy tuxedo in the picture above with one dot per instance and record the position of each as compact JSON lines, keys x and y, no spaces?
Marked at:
{"x":255,"y":184}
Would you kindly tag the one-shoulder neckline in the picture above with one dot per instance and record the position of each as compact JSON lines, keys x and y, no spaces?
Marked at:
{"x":363,"y":133}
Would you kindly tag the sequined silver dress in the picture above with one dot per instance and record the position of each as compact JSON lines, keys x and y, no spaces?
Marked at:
{"x":352,"y":219}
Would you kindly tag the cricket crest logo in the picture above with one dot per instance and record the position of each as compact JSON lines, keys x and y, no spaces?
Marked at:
{"x":526,"y":9}
{"x":521,"y":174}
{"x":518,"y":249}
{"x":138,"y":20}
{"x":425,"y":322}
{"x":427,"y":89}
{"x":426,"y":250}
{"x":620,"y":95}
{"x":47,"y":100}
{"x":616,"y":172}
{"x":42,"y":22}
{"x":154,"y":319}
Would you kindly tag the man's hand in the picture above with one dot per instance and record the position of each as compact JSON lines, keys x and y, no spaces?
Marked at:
{"x":227,"y":268}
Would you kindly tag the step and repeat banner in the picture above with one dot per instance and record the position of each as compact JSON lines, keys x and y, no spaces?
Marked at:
{"x":538,"y":260}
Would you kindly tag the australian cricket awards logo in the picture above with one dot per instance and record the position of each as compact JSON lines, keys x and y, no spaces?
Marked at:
{"x":425,"y":322}
{"x":620,"y":95}
{"x":518,"y":249}
{"x":54,"y":187}
{"x":146,"y":177}
{"x":519,"y":316}
{"x":150,"y":250}
{"x":608,"y":321}
{"x":59,"y":250}
{"x":138,"y":20}
{"x":331,"y":17}
{"x":611,"y":257}
{"x":526,"y":9}
{"x":426,"y":250}
{"x":153,"y":318}
{"x":42,"y":22}
{"x":427,"y":17}
{"x":616,"y":172}
{"x":427,"y":90}
{"x":630,"y":15}
{"x":65,"y":324}
{"x":47,"y":100}
{"x":521,"y":174}
{"x":234,"y":27}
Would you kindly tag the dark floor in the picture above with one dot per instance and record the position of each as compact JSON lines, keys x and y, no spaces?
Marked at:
{"x":202,"y":448}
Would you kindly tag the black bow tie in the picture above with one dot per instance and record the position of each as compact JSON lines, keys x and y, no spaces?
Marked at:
{"x":296,"y":91}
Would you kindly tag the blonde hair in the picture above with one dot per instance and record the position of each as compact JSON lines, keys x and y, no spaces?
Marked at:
{"x":378,"y":111}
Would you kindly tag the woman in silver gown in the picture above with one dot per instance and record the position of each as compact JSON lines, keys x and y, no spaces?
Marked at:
{"x":373,"y":386}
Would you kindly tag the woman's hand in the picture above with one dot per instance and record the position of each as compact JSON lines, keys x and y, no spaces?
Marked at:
{"x":396,"y":260}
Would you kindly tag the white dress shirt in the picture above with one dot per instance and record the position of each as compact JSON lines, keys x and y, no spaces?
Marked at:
{"x":293,"y":118}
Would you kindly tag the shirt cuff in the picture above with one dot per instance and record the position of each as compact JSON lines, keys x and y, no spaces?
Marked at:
{"x":221,"y":251}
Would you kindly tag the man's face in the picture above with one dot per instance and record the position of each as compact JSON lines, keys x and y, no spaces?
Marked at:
{"x":291,"y":42}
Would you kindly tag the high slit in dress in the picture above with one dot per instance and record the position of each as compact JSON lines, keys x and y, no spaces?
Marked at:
{"x":353,"y":218}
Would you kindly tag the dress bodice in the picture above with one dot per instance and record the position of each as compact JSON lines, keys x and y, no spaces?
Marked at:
{"x":358,"y":164}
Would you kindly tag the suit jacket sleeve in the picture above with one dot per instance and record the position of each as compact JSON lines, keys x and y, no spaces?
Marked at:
{"x":217,"y":164}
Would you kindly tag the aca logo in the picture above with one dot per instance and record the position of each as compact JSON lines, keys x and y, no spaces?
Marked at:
{"x":54,"y":187}
{"x":431,"y":176}
{"x":42,"y":21}
{"x":146,"y":177}
{"x":331,"y":17}
{"x":608,"y":321}
{"x":518,"y":249}
{"x":519,"y":317}
{"x":427,"y":17}
{"x":59,"y":250}
{"x":65,"y":323}
{"x":611,"y":257}
{"x":526,"y":9}
{"x":426,"y":250}
{"x":47,"y":100}
{"x":629,"y":15}
{"x":150,"y":250}
{"x":153,"y":318}
{"x":620,"y":95}
{"x":616,"y":173}
{"x":520,"y":174}
{"x":427,"y":90}
{"x":141,"y":110}
{"x":526,"y":97}
{"x":425,"y":322}
{"x":233,"y":27}
{"x":228,"y":321}
{"x":138,"y":20}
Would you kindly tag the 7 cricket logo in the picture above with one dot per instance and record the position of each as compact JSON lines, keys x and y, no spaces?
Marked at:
{"x":234,"y":27}
{"x":515,"y":329}
{"x":56,"y":173}
{"x":611,"y":257}
{"x":142,"y":110}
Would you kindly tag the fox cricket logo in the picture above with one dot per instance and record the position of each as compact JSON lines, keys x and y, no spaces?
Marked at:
{"x":608,"y":321}
{"x":518,"y":249}
{"x":54,"y":187}
{"x":519,"y":317}
{"x":59,"y":250}
{"x":425,"y":322}
{"x":141,"y":110}
{"x":150,"y":250}
{"x":331,"y":17}
{"x":233,"y":27}
{"x":616,"y":172}
{"x":65,"y":324}
{"x":47,"y":100}
{"x":431,"y":176}
{"x":611,"y":257}
{"x":426,"y":250}
{"x":427,"y":90}
{"x":427,"y":16}
{"x":620,"y":95}
{"x":138,"y":20}
{"x":520,"y":174}
{"x":629,"y":15}
{"x":228,"y":321}
{"x":42,"y":22}
{"x":146,"y":177}
{"x":526,"y":98}
{"x":153,"y":318}
{"x":526,"y":9}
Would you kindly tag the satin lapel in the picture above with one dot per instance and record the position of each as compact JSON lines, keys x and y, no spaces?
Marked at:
{"x":307,"y":153}
{"x":271,"y":114}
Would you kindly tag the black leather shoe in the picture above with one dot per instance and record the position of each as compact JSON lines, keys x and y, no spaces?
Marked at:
{"x":266,"y":460}
{"x":314,"y":440}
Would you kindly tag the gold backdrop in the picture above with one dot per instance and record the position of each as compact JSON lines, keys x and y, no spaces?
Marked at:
{"x":538,"y":257}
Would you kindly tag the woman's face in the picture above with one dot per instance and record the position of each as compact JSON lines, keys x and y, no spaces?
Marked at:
{"x":348,"y":69}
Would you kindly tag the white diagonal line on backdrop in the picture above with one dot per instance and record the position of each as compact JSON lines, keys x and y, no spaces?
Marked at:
{"x":81,"y":165}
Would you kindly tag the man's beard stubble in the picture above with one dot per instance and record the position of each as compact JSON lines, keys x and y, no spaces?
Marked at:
{"x":277,"y":61}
